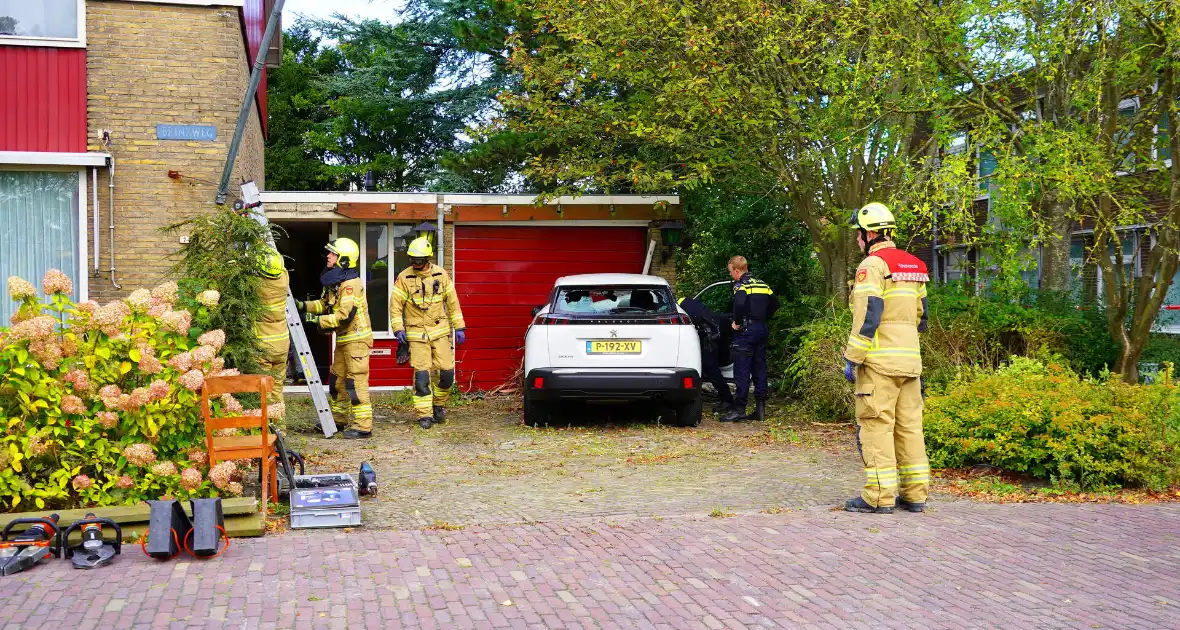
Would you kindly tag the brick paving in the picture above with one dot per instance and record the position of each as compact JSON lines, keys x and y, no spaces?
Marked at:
{"x":964,"y":565}
{"x":484,"y":467}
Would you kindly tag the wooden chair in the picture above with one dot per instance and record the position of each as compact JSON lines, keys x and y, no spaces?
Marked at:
{"x":261,"y":447}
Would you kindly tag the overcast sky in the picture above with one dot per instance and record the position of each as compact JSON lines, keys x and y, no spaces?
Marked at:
{"x":384,"y":10}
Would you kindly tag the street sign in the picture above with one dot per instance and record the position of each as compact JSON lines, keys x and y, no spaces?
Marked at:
{"x":199,"y":133}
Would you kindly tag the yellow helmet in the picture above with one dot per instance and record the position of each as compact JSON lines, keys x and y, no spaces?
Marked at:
{"x":874,"y":217}
{"x":420,"y":248}
{"x":270,"y":263}
{"x":346,"y":250}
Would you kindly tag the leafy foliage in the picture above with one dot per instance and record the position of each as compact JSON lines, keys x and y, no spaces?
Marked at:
{"x":222,"y":254}
{"x":99,"y":405}
{"x":965,"y":334}
{"x":297,"y":100}
{"x":1041,"y":419}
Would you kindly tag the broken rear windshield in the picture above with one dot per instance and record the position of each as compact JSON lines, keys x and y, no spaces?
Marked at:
{"x":614,"y":301}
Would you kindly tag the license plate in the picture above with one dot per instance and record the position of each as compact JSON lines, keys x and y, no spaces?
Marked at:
{"x":614,"y":346}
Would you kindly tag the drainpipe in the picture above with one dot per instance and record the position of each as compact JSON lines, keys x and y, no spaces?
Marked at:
{"x":94,"y":209}
{"x":111,"y":209}
{"x":934,"y":244}
{"x":441,"y":235}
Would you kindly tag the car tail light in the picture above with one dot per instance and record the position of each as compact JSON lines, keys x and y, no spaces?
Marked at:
{"x":549,"y":319}
{"x":539,"y":383}
{"x":688,"y":384}
{"x":678,"y":319}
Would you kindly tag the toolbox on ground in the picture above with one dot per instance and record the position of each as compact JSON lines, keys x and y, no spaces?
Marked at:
{"x":329,"y":500}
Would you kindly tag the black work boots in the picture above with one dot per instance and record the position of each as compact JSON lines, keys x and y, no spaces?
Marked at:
{"x":353,"y":434}
{"x":738,"y":414}
{"x":910,"y":507}
{"x":440,"y":414}
{"x":426,"y":422}
{"x":858,"y":504}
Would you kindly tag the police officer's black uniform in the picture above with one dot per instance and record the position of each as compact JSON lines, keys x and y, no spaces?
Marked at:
{"x":754,"y":303}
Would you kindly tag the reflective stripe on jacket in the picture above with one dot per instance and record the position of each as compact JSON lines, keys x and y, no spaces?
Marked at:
{"x":425,"y":304}
{"x":885,"y":319}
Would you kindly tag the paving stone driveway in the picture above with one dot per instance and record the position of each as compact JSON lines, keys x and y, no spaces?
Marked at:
{"x":964,"y":566}
{"x":484,"y":467}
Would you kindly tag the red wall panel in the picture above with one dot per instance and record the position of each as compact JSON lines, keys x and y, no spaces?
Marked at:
{"x":254,"y":16}
{"x":42,"y":99}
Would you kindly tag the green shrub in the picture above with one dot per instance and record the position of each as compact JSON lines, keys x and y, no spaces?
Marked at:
{"x":964,"y":333}
{"x":817,"y":367}
{"x":222,"y":254}
{"x":1043,"y":420}
{"x":100,"y":405}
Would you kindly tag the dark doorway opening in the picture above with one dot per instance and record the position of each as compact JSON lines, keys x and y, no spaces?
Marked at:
{"x":302,"y":247}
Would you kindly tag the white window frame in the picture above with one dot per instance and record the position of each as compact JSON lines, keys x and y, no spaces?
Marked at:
{"x":1133,"y":258}
{"x":53,"y":42}
{"x":364,"y":263}
{"x":80,"y":274}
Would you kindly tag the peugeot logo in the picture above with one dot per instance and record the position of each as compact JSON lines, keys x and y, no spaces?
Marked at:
{"x":614,"y":334}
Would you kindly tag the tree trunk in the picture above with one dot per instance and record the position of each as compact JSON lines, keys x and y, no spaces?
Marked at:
{"x":1056,"y":274}
{"x":836,"y":256}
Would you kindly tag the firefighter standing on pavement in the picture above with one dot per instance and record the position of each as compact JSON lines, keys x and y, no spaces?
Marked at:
{"x":884,"y":361}
{"x":273,"y":335}
{"x":344,"y":310}
{"x":753,"y":306}
{"x":424,"y":309}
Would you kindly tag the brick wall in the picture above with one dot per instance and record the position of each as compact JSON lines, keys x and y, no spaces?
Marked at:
{"x":149,"y":64}
{"x":660,"y":267}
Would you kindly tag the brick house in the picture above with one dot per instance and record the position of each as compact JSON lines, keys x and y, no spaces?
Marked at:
{"x":504,"y":253}
{"x":950,"y":261}
{"x":129,"y":88}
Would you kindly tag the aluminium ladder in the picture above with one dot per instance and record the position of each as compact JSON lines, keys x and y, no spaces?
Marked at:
{"x":252,"y":203}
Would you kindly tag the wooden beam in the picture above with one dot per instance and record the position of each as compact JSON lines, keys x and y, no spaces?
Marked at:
{"x":566,"y":212}
{"x":487,"y":212}
{"x":388,"y":212}
{"x":129,"y":514}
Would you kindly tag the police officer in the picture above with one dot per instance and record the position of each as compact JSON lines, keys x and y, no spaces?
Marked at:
{"x":753,"y":306}
{"x":884,"y":362}
{"x":424,"y":309}
{"x":344,"y":310}
{"x":273,"y":335}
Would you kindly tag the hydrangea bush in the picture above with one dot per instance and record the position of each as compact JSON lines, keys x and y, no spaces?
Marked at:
{"x":100,"y":404}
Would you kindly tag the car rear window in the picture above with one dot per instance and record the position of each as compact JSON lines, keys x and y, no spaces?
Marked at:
{"x":574,"y":300}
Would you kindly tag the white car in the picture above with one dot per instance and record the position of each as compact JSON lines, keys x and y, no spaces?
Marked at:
{"x":612,"y":337}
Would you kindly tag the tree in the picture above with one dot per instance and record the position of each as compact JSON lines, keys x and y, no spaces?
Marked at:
{"x":1068,"y":98}
{"x":395,"y":105}
{"x":297,"y":105}
{"x":821,"y":105}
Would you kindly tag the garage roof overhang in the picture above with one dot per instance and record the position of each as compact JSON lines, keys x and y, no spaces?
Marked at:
{"x":466,"y":207}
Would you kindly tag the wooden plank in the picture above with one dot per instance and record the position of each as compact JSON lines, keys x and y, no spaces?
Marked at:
{"x":128,"y":513}
{"x":387,"y":212}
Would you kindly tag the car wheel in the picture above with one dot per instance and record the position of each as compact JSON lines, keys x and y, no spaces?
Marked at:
{"x":689,"y":415}
{"x":536,"y":413}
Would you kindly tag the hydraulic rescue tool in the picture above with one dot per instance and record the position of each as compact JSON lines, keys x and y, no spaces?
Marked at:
{"x":94,"y":552}
{"x":27,"y":548}
{"x":368,"y":479}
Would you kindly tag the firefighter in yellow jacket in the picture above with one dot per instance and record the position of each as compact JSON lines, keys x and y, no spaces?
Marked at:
{"x":344,"y":310}
{"x":884,"y":361}
{"x":424,"y":309}
{"x":273,"y":335}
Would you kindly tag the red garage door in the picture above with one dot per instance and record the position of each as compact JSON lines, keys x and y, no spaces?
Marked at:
{"x":503,"y":272}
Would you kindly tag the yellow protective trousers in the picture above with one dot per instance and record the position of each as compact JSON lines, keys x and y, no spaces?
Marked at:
{"x":889,"y":436}
{"x":349,"y":385}
{"x":433,"y":361}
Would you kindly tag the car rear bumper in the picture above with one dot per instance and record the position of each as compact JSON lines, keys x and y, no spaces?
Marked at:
{"x":679,"y":385}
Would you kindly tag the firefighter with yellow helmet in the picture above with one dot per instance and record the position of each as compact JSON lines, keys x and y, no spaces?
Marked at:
{"x":424,"y":309}
{"x":884,"y":362}
{"x":273,"y":335}
{"x":343,"y":309}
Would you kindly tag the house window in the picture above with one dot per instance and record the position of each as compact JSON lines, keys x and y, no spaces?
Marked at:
{"x":955,"y":264}
{"x":987,"y":166}
{"x":39,"y":228}
{"x":43,"y":23}
{"x":383,"y":256}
